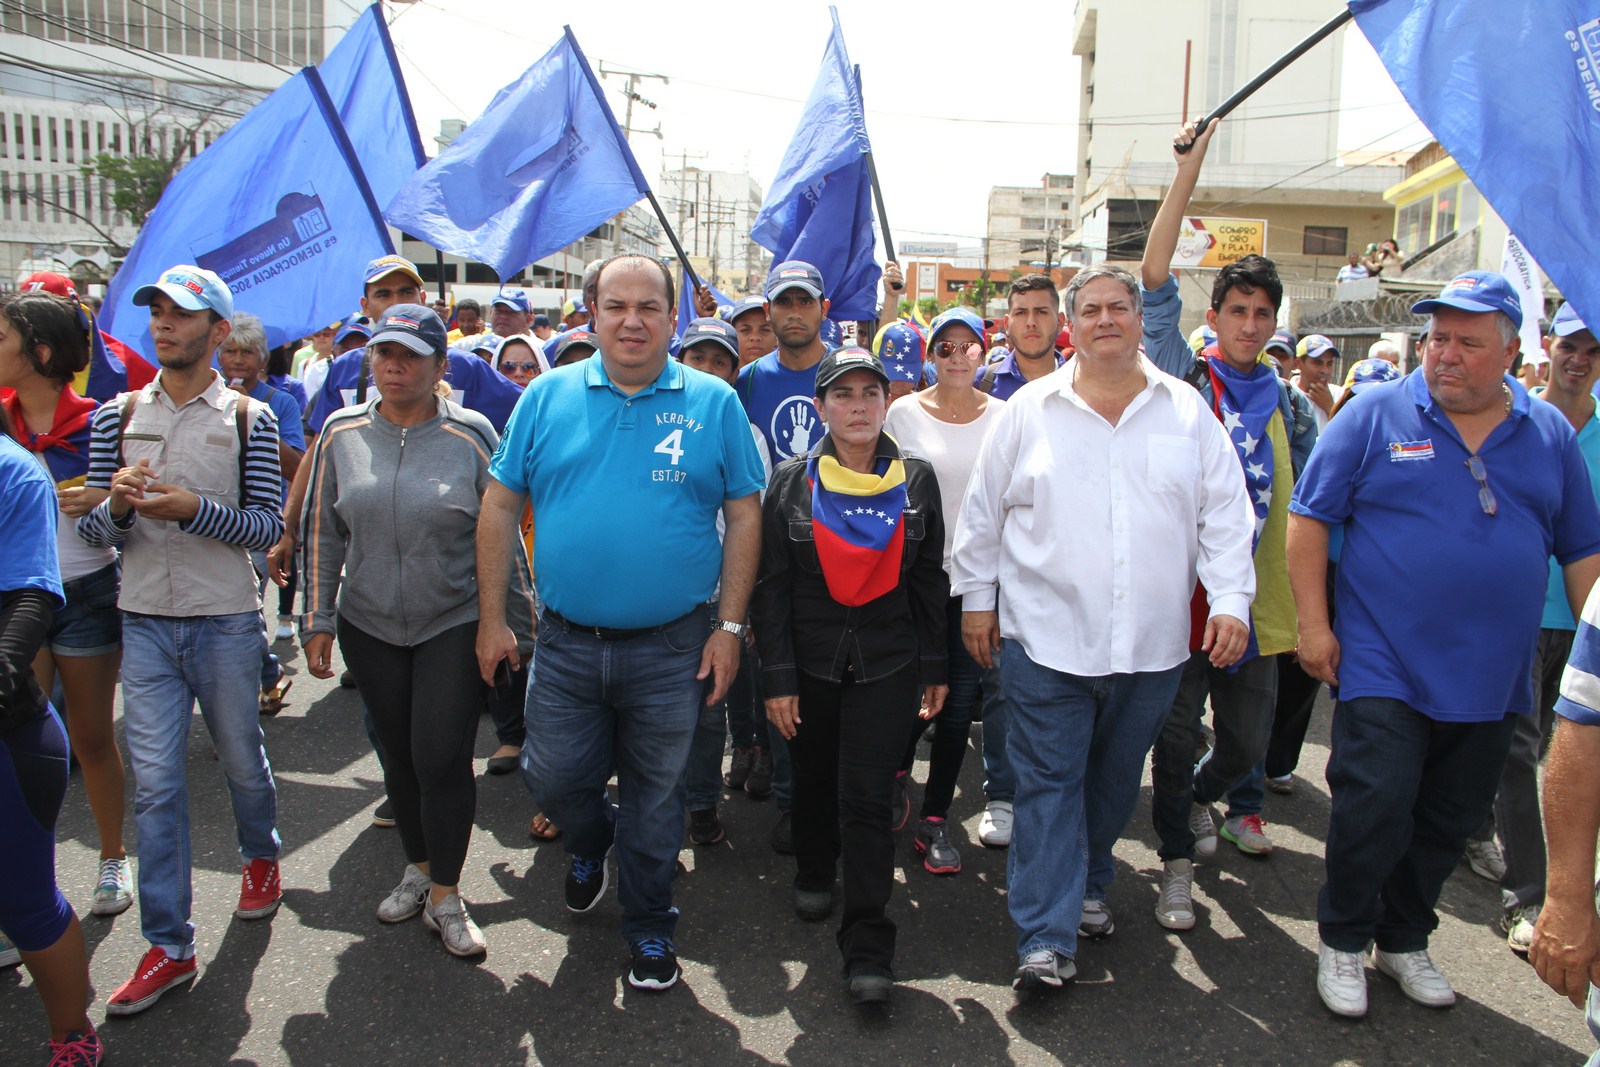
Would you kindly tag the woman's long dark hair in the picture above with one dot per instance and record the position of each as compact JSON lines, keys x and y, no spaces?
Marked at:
{"x":44,"y":320}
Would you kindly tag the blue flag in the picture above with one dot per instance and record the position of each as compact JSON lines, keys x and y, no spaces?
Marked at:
{"x":541,"y":167}
{"x":277,"y":206}
{"x":1510,"y":89}
{"x":819,"y":208}
{"x":686,"y":308}
{"x":368,"y":92}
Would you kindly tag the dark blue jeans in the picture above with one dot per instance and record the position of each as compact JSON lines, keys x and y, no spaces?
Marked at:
{"x":703,"y":775}
{"x":1407,"y":791}
{"x":595,"y":706}
{"x":1078,"y":747}
{"x":1242,"y":703}
{"x":952,"y":727}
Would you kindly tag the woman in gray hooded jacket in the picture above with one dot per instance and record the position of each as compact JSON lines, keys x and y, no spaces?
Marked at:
{"x":395,"y":489}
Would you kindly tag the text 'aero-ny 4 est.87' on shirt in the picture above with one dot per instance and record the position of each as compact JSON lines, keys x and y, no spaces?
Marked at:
{"x":626,"y":489}
{"x":1436,"y":602}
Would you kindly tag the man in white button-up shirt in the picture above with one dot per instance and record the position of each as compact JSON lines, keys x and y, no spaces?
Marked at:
{"x":1104,"y":490}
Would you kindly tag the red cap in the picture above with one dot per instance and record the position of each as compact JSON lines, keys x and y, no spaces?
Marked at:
{"x":48,"y":282}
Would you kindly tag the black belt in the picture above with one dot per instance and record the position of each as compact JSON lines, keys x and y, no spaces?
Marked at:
{"x":610,"y":633}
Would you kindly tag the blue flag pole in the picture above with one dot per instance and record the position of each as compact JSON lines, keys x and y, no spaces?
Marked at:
{"x":1267,"y":75}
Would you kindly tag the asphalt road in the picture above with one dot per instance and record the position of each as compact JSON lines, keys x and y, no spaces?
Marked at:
{"x":325,"y":983}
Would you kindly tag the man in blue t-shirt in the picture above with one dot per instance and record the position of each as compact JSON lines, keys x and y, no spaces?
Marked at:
{"x":1454,"y":490}
{"x":626,"y":460}
{"x":778,"y":388}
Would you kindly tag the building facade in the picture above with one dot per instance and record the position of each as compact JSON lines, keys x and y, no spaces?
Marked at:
{"x":1025,"y":222}
{"x":713,"y":212}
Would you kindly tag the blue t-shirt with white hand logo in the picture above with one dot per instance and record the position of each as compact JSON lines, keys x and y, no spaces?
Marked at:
{"x":781,"y":404}
{"x":473,"y":384}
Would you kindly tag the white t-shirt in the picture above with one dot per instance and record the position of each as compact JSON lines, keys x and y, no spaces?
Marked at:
{"x":951,"y":447}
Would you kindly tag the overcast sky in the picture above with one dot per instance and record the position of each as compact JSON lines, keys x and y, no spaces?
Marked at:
{"x":960,"y":96}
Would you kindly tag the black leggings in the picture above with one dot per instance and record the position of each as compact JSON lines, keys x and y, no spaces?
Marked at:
{"x":425,"y":701}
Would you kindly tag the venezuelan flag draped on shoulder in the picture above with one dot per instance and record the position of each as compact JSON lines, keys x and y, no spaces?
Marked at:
{"x":819,"y":208}
{"x":1511,"y":89}
{"x":278,"y":207}
{"x":542,"y":166}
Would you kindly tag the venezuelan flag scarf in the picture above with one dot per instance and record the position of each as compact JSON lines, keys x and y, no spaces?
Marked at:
{"x":858,"y":523}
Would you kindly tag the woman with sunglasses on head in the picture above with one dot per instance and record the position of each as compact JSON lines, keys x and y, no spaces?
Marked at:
{"x":33,"y":754}
{"x":395,"y":488}
{"x":44,"y":343}
{"x":945,"y":425}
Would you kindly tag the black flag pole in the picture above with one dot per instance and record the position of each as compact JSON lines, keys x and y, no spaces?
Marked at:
{"x":1267,"y":75}
{"x":672,"y":236}
{"x":877,"y":193}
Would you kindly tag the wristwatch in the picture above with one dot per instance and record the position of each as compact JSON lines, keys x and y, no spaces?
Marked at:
{"x":737,"y":629}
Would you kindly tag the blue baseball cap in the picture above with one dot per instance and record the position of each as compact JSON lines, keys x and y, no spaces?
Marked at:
{"x":792,"y":274}
{"x":355,"y":324}
{"x":1283,"y":341}
{"x":1315,"y":346}
{"x":541,"y":319}
{"x":1567,"y":321}
{"x":573,"y":307}
{"x":191,"y":288}
{"x":712,"y":331}
{"x":416,"y":326}
{"x":898,"y":343}
{"x":953,"y":317}
{"x":515,"y":299}
{"x":388,"y":265}
{"x":487,"y":342}
{"x":749,"y":303}
{"x":1477,"y":291}
{"x":831,"y":334}
{"x":842,"y":361}
{"x":1370,"y":372}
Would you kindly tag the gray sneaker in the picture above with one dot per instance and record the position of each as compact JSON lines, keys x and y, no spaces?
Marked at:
{"x":1486,"y":859}
{"x":449,"y":919}
{"x":1043,"y":969}
{"x":1519,"y":924}
{"x":1205,"y":831}
{"x":1175,"y":910}
{"x":113,"y":895}
{"x":1096,"y":920}
{"x":406,"y":899}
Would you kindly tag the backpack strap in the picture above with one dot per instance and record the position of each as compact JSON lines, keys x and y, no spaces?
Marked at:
{"x":984,"y":382}
{"x":361,"y":382}
{"x":130,"y":401}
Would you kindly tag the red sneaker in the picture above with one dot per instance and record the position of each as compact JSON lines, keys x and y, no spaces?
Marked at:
{"x":261,"y":891}
{"x":157,"y":973}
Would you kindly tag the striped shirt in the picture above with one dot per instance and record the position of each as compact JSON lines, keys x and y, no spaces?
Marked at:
{"x":1580,"y":683}
{"x":256,"y":524}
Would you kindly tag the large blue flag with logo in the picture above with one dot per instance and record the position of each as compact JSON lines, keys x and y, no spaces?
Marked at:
{"x":363,"y":78}
{"x":1511,"y":89}
{"x":541,"y":167}
{"x":819,"y":208}
{"x":277,"y":206}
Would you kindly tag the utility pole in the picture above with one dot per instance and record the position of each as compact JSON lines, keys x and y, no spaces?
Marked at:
{"x":631,"y":94}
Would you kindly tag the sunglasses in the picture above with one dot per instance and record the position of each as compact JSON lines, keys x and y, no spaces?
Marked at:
{"x":531,"y":365}
{"x":1486,"y":499}
{"x":946,"y":349}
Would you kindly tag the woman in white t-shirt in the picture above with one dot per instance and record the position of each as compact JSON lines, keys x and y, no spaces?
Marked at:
{"x":946,"y":425}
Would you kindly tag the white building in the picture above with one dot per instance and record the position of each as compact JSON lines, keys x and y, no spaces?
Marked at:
{"x":121,"y":77}
{"x":1025,"y":222}
{"x":713,"y":212}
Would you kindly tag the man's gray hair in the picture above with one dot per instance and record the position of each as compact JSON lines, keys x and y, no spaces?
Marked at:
{"x":249,"y":334}
{"x":1502,"y":322}
{"x":1103,"y":270}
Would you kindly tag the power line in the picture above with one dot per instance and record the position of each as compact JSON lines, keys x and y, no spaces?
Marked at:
{"x":256,"y":56}
{"x":87,"y":79}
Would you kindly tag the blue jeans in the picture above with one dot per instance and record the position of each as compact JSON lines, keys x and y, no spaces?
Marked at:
{"x":1078,"y":747}
{"x":999,"y":783}
{"x":596,"y":705}
{"x":1406,"y":791}
{"x":703,"y":776}
{"x":1248,"y":793}
{"x":167,"y":665}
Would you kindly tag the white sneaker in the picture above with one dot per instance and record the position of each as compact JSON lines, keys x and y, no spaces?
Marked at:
{"x":1175,"y":909}
{"x":1096,"y":920}
{"x":113,"y":894}
{"x":9,"y":956}
{"x":1342,"y":982}
{"x":1205,"y":831}
{"x":1519,"y":924}
{"x":406,"y":899}
{"x":1044,"y":969}
{"x":1486,"y":859}
{"x":449,"y":919}
{"x":994,"y":829}
{"x":285,"y":631}
{"x":1418,"y":977}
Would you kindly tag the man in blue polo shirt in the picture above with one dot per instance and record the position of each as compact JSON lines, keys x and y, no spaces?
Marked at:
{"x":1033,"y":322}
{"x":1433,"y":648}
{"x":626,"y":459}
